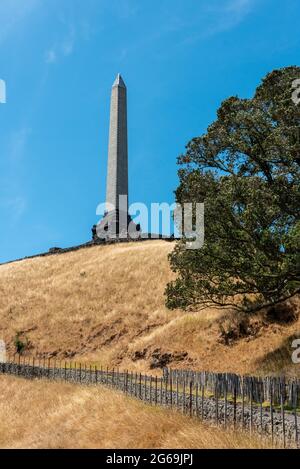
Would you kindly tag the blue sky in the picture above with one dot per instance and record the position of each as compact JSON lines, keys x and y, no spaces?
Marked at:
{"x":59,"y":58}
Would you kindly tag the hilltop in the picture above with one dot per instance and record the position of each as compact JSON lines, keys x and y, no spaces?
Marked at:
{"x":106,"y":305}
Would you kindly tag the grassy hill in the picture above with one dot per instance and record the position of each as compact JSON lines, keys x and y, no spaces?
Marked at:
{"x":71,"y":416}
{"x":105,"y":304}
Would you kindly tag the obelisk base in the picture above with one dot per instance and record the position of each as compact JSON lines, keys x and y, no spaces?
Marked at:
{"x":114,"y":226}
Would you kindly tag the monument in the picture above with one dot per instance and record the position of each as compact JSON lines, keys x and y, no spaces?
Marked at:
{"x":116,"y":222}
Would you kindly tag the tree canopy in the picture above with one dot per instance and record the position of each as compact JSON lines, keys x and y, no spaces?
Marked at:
{"x":246,"y":170}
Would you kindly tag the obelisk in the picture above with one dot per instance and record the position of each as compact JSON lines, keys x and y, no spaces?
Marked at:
{"x":116,"y":222}
{"x":117,"y":167}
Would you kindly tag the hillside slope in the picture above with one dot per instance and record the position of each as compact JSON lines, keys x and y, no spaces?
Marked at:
{"x":105,"y":304}
{"x":70,"y":416}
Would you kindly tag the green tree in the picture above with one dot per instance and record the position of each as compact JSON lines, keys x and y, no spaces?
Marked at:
{"x":246,"y":171}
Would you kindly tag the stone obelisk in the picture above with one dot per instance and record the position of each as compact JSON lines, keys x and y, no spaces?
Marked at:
{"x":117,"y":167}
{"x":116,"y":222}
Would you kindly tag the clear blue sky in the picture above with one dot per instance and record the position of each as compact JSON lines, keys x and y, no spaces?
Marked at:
{"x":59,"y":58}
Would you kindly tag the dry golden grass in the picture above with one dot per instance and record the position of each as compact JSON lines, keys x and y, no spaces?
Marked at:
{"x":41,"y":414}
{"x":105,"y":303}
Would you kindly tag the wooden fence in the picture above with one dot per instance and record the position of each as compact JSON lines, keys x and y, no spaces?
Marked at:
{"x":277,"y":390}
{"x":269,"y":406}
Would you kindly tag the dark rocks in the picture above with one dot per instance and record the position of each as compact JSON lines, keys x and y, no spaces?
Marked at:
{"x":235,"y":327}
{"x":54,"y":250}
{"x":160,"y":360}
{"x":139,"y":355}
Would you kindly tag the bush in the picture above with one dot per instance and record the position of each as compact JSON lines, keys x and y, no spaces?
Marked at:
{"x":284,"y":313}
{"x":20,"y":345}
{"x":233,"y":327}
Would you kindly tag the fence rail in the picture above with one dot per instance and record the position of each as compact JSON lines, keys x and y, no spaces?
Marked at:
{"x":269,"y":406}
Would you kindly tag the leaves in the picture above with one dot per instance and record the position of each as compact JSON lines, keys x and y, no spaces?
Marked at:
{"x":246,"y":171}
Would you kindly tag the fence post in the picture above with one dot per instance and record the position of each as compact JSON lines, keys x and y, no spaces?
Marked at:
{"x":140,"y":387}
{"x":251,"y":406}
{"x":116,"y":377}
{"x":151,"y":390}
{"x":191,"y":398}
{"x":171,"y":390}
{"x":145,"y":387}
{"x":130,"y":383}
{"x":166,"y":391}
{"x":183,"y":397}
{"x":155,"y":390}
{"x":295,"y":413}
{"x":282,"y":400}
{"x":243,"y":403}
{"x":136,"y":384}
{"x":217,"y":401}
{"x":126,"y":382}
{"x":271,"y":411}
{"x":225,"y":401}
{"x":161,"y":391}
{"x":261,"y":407}
{"x":202,"y":401}
{"x":234,"y":403}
